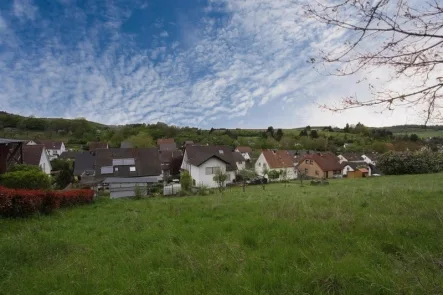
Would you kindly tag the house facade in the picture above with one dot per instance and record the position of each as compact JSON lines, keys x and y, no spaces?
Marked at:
{"x":240,"y":161}
{"x":278,"y":160}
{"x":53,"y":148}
{"x":320,"y":166}
{"x":246,"y":152}
{"x":350,"y":167}
{"x":36,"y":155}
{"x":203,"y":162}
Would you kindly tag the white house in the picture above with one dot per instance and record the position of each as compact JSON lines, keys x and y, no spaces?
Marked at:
{"x":368,"y":158}
{"x":353,"y":166}
{"x":203,"y":162}
{"x":276,"y":160}
{"x":53,"y":148}
{"x":36,"y":155}
{"x":240,"y":161}
{"x":245,"y":151}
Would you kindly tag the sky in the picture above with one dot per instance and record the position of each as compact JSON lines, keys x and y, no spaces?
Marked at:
{"x":202,"y":63}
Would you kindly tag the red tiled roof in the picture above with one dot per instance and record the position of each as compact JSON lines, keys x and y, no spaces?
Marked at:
{"x":244,"y":149}
{"x":165,"y":140}
{"x":278,"y":159}
{"x":49,"y":144}
{"x":327,"y":161}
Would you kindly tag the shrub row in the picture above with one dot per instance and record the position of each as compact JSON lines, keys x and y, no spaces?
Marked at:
{"x":22,"y":203}
{"x":422,"y":162}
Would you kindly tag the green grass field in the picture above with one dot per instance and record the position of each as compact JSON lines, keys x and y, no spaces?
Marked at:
{"x":369,"y":236}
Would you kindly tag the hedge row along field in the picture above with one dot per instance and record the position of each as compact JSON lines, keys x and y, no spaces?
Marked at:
{"x":22,"y":203}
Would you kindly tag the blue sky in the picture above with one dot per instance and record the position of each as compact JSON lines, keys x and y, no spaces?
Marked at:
{"x":205,"y":63}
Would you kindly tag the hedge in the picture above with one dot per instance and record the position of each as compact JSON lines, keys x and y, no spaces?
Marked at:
{"x":23,"y":203}
{"x":421,"y":162}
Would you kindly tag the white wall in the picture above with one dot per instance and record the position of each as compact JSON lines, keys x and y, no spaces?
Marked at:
{"x":261,"y":161}
{"x":208,"y":180}
{"x":346,"y":169}
{"x":341,"y":159}
{"x":246,"y":156}
{"x":241,"y":165}
{"x":45,"y":164}
{"x":367,"y":160}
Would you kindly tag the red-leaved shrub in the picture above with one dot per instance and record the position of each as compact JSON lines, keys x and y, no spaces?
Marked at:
{"x":22,"y":203}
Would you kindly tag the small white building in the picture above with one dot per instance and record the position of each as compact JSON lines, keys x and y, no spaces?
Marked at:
{"x":353,"y":166}
{"x":121,"y":187}
{"x":277,"y":160}
{"x":245,"y":151}
{"x":203,"y":162}
{"x":53,"y":148}
{"x":36,"y":155}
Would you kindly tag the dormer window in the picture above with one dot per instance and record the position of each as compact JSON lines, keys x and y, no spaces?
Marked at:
{"x":220,"y":152}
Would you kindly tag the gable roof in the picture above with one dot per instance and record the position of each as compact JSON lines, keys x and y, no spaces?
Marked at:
{"x":126,"y":145}
{"x":354,"y":165}
{"x":278,"y":159}
{"x":167,"y":156}
{"x":239,"y":157}
{"x":352,"y":157}
{"x":165,"y":140}
{"x":32,"y":154}
{"x":326,"y":162}
{"x":50,"y":144}
{"x":83,"y":161}
{"x":168,"y":146}
{"x":198,"y":154}
{"x":244,"y":149}
{"x":146,"y":161}
{"x":97,"y":145}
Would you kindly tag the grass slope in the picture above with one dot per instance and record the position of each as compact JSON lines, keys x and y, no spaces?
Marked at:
{"x":368,"y":236}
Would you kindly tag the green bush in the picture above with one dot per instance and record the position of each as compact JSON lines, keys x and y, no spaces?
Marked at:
{"x":22,"y":167}
{"x":26,"y":180}
{"x":185,"y":180}
{"x":398,"y":163}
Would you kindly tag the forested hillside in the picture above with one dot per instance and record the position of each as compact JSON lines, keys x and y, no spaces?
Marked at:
{"x":78,"y":132}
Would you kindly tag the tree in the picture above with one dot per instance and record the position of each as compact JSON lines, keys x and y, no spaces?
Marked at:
{"x":278,"y":136}
{"x":308,"y":128}
{"x":26,"y":179}
{"x":65,"y":173}
{"x":283,"y":175}
{"x":399,"y":35}
{"x":21,"y":167}
{"x":314,"y":134}
{"x":270,"y":131}
{"x":246,"y":174}
{"x":347,"y":129}
{"x":413,"y":137}
{"x":274,"y":174}
{"x":303,"y":133}
{"x":220,"y":178}
{"x":142,"y":140}
{"x":185,"y":181}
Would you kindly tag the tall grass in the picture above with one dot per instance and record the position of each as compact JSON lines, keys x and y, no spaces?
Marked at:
{"x":368,"y":236}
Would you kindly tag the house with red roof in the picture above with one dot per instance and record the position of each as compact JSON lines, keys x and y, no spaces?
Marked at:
{"x":278,"y":160}
{"x":320,"y":165}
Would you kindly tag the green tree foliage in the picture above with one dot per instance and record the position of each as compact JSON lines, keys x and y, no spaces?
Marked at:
{"x":314,"y":134}
{"x":413,"y":137}
{"x":220,"y":178}
{"x":274,"y":174}
{"x":21,"y":167}
{"x":25,"y":179}
{"x":278,"y":136}
{"x":303,"y":133}
{"x":270,"y":131}
{"x":398,"y":163}
{"x":245,"y":175}
{"x":65,"y":173}
{"x":186,"y":181}
{"x":379,"y":147}
{"x":347,"y":129}
{"x":142,"y":140}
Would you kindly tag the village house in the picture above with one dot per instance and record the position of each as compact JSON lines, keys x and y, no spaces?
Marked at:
{"x":368,"y":158}
{"x":203,"y":162}
{"x":93,"y":146}
{"x":170,"y":162}
{"x":53,"y":148}
{"x":36,"y":155}
{"x":240,"y":161}
{"x":278,"y":160}
{"x":245,"y":151}
{"x":166,"y":144}
{"x":320,"y":166}
{"x":355,"y":169}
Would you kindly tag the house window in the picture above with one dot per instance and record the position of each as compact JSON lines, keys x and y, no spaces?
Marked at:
{"x":132,"y":169}
{"x":116,"y":169}
{"x":310,"y":162}
{"x":307,"y":161}
{"x":306,"y":171}
{"x":259,"y":164}
{"x":211,"y":170}
{"x":228,"y":177}
{"x":265,"y":166}
{"x":220,"y":152}
{"x":316,"y":172}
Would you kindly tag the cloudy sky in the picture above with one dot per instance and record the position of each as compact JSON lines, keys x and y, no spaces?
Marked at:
{"x":205,"y":63}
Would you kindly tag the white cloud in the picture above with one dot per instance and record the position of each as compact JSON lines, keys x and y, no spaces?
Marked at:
{"x":25,"y":9}
{"x":219,"y":73}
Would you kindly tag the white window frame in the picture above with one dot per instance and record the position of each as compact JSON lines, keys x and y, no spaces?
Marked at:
{"x":211,"y":170}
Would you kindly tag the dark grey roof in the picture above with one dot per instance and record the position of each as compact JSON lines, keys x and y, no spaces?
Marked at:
{"x":6,"y":141}
{"x":198,"y":154}
{"x":374,"y":169}
{"x":69,"y":155}
{"x":354,"y":165}
{"x":83,"y":161}
{"x":50,"y":144}
{"x":168,"y":146}
{"x":32,"y":154}
{"x":239,"y":157}
{"x":352,"y":157}
{"x":167,"y":156}
{"x":126,"y":145}
{"x":147,"y":162}
{"x":148,"y":179}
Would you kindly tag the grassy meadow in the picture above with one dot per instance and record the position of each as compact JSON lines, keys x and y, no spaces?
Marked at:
{"x":369,"y":236}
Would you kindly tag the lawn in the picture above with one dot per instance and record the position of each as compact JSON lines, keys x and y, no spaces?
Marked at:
{"x":369,"y":236}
